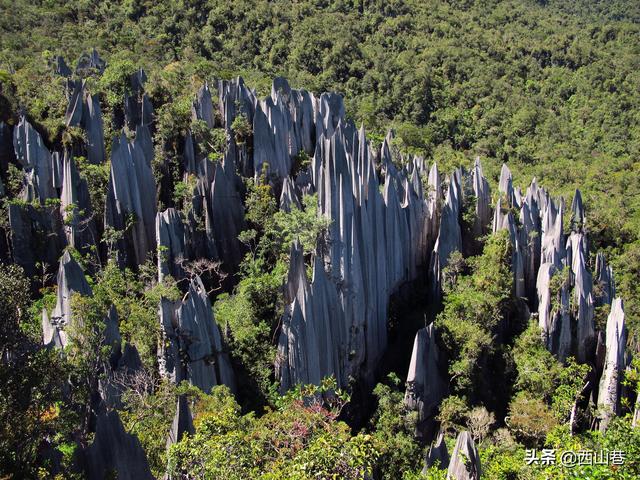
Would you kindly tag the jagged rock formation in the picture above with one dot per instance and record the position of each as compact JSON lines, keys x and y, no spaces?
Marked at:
{"x":182,"y":422}
{"x":170,"y":238}
{"x":192,"y":346}
{"x":449,"y":233}
{"x":465,"y":461}
{"x":202,"y":107}
{"x":289,"y":197}
{"x":367,"y":254}
{"x":36,"y":235}
{"x":312,"y":341}
{"x":616,"y":341}
{"x":75,"y":208}
{"x":606,"y":289}
{"x":131,"y":197}
{"x":70,"y":281}
{"x":482,"y":192}
{"x":114,"y":451}
{"x":425,"y":385}
{"x":437,"y":453}
{"x":36,"y":160}
{"x":216,"y":217}
{"x":503,"y":219}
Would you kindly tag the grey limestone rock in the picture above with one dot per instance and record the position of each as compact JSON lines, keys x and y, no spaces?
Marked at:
{"x":616,"y":341}
{"x":114,"y":451}
{"x":577,"y":213}
{"x":75,"y":208}
{"x":553,"y":242}
{"x":482,"y":192}
{"x":437,"y":453}
{"x":582,"y":296}
{"x":504,"y":220}
{"x":288,"y":197}
{"x":233,"y":93}
{"x":465,"y":461}
{"x":35,"y":158}
{"x":36,"y":235}
{"x":505,"y":187}
{"x":131,"y":198}
{"x":75,"y":108}
{"x":425,"y":385}
{"x":70,"y":281}
{"x":604,"y":280}
{"x":60,"y":66}
{"x":194,"y":351}
{"x":170,"y":239}
{"x":449,"y":234}
{"x":182,"y":422}
{"x":202,"y":107}
{"x":227,"y":215}
{"x":93,"y":126}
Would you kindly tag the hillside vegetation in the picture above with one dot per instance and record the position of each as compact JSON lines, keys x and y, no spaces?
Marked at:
{"x":550,"y":88}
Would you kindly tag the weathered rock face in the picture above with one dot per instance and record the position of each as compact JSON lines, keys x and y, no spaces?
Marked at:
{"x":616,"y":341}
{"x":437,"y":454}
{"x":233,"y":94}
{"x":604,"y":280}
{"x":503,"y":220}
{"x":192,"y":348}
{"x":217,"y":215}
{"x":553,"y":243}
{"x":505,"y":187}
{"x":582,"y":297}
{"x":577,"y":213}
{"x":283,"y":125}
{"x":75,"y":208}
{"x":138,"y":110}
{"x":92,"y":124}
{"x":227,"y":214}
{"x":60,"y":67}
{"x":449,"y":233}
{"x":114,"y":451}
{"x":182,"y":422}
{"x":425,"y":385}
{"x":131,"y":197}
{"x":289,"y":197}
{"x":170,"y":239}
{"x":70,"y":281}
{"x":36,"y":160}
{"x":376,"y":241}
{"x":202,"y":107}
{"x":465,"y":461}
{"x":482,"y":192}
{"x":36,"y":235}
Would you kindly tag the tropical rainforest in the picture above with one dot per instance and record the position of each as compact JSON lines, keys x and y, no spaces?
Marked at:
{"x":320,"y":239}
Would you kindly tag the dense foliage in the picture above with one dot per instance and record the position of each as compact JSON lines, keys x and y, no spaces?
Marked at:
{"x":550,"y":87}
